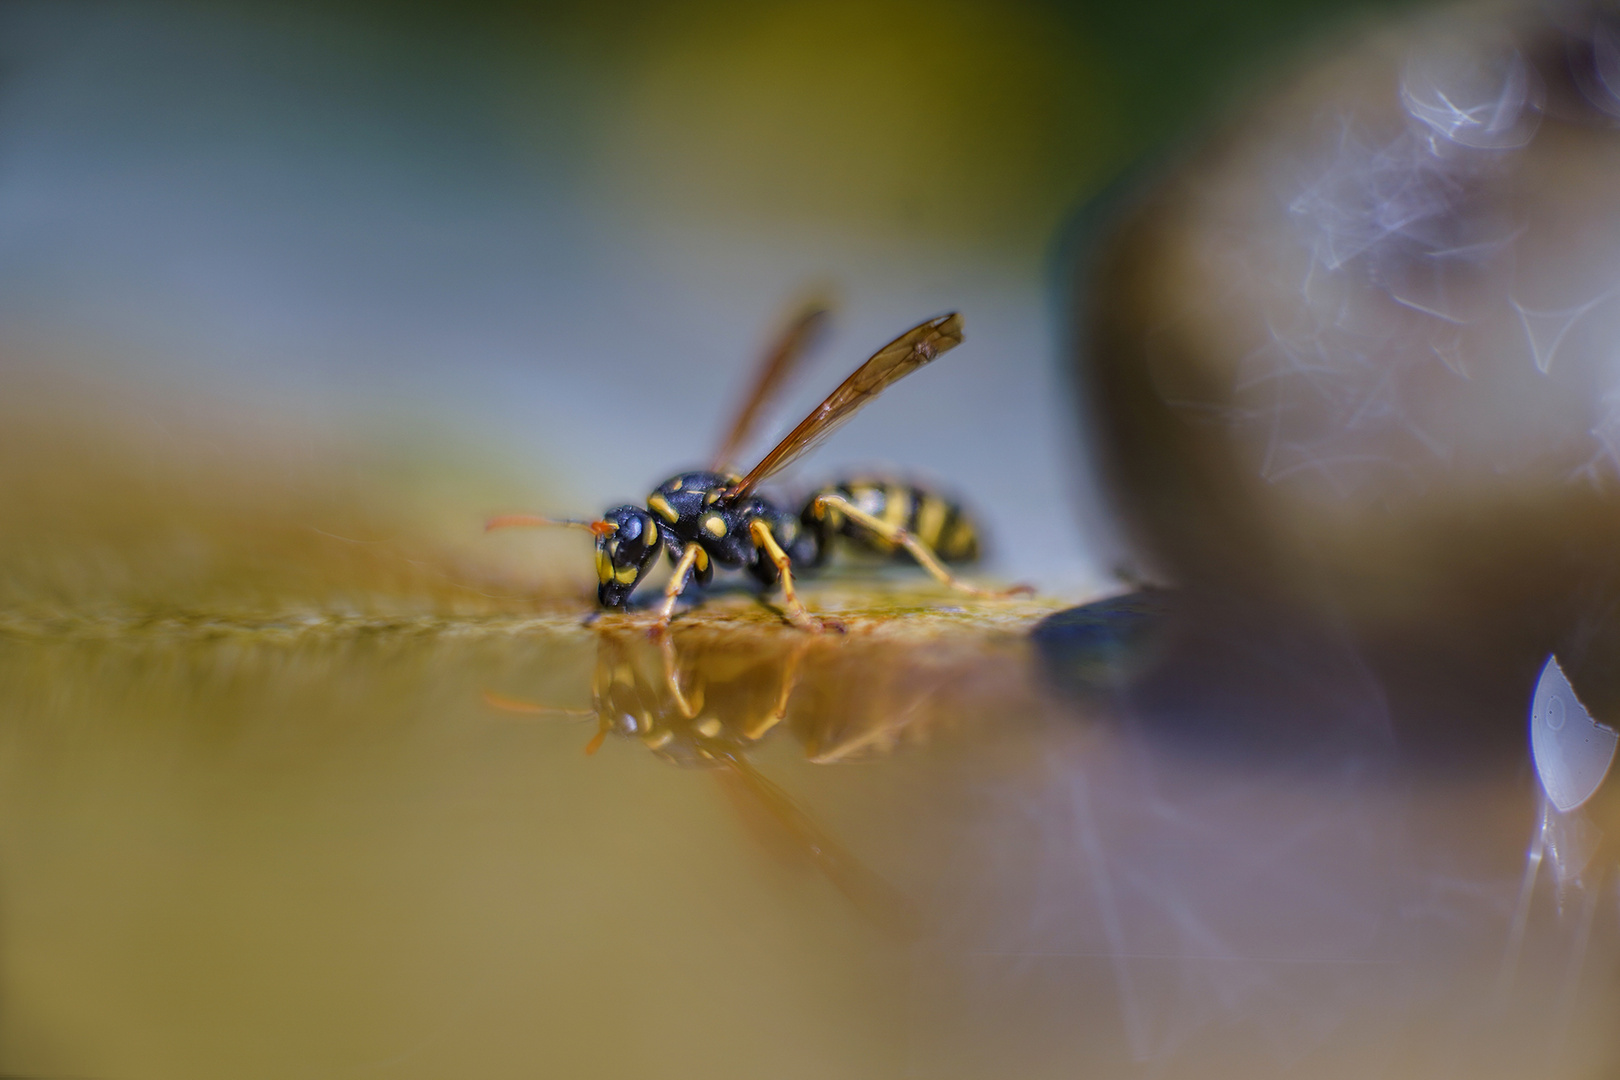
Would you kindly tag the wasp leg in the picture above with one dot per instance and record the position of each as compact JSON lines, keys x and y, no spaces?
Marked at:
{"x":919,"y":550}
{"x":790,"y":680}
{"x":796,"y":614}
{"x":677,"y":583}
{"x":672,"y":678}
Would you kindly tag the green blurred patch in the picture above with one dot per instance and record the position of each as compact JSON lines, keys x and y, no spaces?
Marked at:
{"x":942,"y":124}
{"x":939,"y":124}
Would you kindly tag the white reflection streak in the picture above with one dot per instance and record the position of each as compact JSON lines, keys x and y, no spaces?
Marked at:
{"x":1380,"y":401}
{"x":1294,"y":362}
{"x":1481,"y":250}
{"x":1383,"y":402}
{"x":1390,"y":219}
{"x":1451,"y":118}
{"x":1606,"y":431}
{"x":1234,"y":986}
{"x":1102,"y":887}
{"x":1541,"y":352}
{"x":1422,"y":310}
{"x":1564,"y":1012}
{"x":1366,"y":197}
{"x":1521,"y":911}
{"x":1449,"y":353}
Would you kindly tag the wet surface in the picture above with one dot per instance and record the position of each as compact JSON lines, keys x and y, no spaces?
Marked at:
{"x":920,"y":848}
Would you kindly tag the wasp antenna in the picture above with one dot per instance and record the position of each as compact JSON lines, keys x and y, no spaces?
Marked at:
{"x":510,"y":521}
{"x":518,"y":705}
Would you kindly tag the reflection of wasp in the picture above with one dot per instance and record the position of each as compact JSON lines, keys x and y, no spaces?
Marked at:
{"x":707,"y":713}
{"x":715,"y":517}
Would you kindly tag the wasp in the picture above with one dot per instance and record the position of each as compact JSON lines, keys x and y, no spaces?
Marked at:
{"x":717,"y":517}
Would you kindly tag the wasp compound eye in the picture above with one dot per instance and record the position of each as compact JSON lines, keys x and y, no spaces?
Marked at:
{"x":624,"y":555}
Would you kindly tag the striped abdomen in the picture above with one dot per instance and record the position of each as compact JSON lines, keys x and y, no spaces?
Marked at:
{"x":935,"y":520}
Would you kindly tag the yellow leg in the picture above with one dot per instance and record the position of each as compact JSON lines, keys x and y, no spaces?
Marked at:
{"x":677,"y":582}
{"x":919,"y":550}
{"x":672,"y":678}
{"x":796,"y":614}
{"x":790,"y":679}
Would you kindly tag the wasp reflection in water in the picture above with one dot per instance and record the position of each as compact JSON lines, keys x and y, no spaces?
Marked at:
{"x":705,"y":699}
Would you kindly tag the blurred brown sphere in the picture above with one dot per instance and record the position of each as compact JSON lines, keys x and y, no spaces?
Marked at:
{"x":1356,"y":358}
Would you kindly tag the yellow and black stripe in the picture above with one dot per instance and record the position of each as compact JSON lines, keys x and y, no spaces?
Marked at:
{"x":939,"y":522}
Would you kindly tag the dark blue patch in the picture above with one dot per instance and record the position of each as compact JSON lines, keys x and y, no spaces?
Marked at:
{"x":1107,"y":644}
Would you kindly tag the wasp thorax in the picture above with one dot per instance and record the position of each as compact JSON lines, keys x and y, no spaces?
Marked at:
{"x":624,"y":553}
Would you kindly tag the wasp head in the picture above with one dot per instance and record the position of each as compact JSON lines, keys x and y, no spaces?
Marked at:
{"x":627,"y":544}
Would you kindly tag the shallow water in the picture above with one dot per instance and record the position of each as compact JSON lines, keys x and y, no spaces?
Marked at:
{"x":351,"y":848}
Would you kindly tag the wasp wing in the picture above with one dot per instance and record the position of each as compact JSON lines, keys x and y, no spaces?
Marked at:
{"x":876,"y":900}
{"x":778,"y":363}
{"x":888,"y":365}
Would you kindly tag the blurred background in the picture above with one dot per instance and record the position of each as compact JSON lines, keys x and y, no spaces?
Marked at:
{"x":550,"y":239}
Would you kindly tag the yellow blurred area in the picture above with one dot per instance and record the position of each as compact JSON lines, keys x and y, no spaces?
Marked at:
{"x":955,"y":123}
{"x":133,"y":505}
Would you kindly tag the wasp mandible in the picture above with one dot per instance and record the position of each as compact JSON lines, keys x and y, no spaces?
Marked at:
{"x":716,"y":517}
